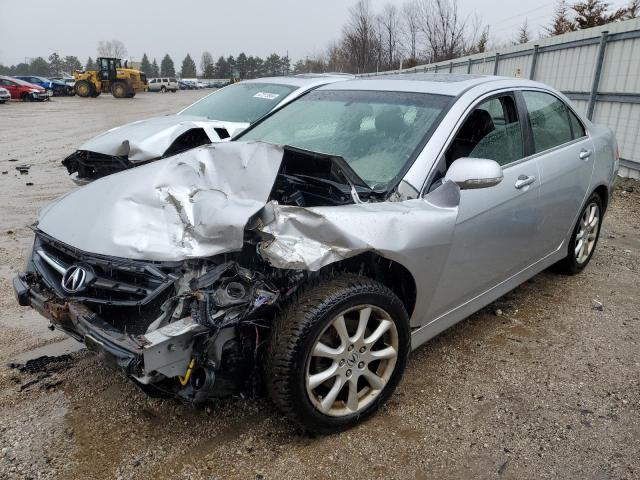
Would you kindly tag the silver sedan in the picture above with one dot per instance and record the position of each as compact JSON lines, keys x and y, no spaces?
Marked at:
{"x":322,"y":244}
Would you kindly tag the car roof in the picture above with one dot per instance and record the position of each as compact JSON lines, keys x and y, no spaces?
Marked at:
{"x":437,"y":83}
{"x":302,"y":81}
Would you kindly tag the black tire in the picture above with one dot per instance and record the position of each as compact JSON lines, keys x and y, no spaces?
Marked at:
{"x":84,"y":89}
{"x":27,"y":98}
{"x":163,"y":89}
{"x":570,"y":265}
{"x":300,"y":325}
{"x":119,"y":90}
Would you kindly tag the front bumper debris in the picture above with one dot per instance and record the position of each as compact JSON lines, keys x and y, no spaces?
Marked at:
{"x":166,"y":351}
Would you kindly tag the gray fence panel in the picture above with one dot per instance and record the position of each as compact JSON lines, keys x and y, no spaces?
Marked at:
{"x":600,"y":75}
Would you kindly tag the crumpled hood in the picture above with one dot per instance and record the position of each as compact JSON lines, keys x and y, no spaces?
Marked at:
{"x":195,"y":204}
{"x":148,"y":139}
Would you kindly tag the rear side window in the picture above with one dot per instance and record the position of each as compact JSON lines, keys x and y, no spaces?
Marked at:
{"x":576,"y":125}
{"x":549,"y":120}
{"x":172,"y":80}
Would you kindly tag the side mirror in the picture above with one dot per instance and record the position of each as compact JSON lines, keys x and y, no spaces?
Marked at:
{"x":469,"y":173}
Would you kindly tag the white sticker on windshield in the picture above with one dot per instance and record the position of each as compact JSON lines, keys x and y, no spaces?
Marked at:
{"x":266,"y":95}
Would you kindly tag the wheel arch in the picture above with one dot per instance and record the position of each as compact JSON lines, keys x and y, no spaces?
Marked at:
{"x":390,"y":273}
{"x":603,"y":192}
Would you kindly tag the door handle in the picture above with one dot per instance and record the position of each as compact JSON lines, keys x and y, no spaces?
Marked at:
{"x":585,"y":154}
{"x":524,"y":180}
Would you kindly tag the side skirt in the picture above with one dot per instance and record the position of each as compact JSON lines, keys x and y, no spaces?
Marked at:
{"x":438,"y":325}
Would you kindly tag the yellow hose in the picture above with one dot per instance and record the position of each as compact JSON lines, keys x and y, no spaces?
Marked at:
{"x":184,"y":380}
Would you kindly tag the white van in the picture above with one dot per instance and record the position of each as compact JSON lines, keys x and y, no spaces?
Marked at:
{"x":163,"y":85}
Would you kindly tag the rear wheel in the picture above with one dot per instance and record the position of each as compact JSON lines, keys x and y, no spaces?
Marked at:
{"x":119,"y":90}
{"x":83,"y":88}
{"x":584,"y":238}
{"x":337,"y":352}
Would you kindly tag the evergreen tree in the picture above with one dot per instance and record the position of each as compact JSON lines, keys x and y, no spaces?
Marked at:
{"x":90,"y":64}
{"x":222,"y":68}
{"x":55,"y":64}
{"x":39,"y":66}
{"x":167,"y":69}
{"x":71,"y":64}
{"x":481,"y":46}
{"x":562,"y":22}
{"x":188,"y":67}
{"x":145,"y":66}
{"x":209,"y":71}
{"x":22,"y":69}
{"x":241,"y":65}
{"x":593,"y":13}
{"x":523,"y":33}
{"x":155,"y":71}
{"x":231,"y":65}
{"x":273,"y":65}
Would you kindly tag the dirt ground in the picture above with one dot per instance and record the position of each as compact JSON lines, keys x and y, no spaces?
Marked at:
{"x":542,"y":384}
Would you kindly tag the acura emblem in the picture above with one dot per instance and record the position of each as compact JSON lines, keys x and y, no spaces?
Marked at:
{"x":74,"y":279}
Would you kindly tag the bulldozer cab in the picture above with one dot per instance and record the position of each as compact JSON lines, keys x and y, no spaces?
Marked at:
{"x":108,"y":68}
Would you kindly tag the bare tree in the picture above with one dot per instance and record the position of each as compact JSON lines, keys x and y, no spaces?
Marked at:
{"x":633,"y":9}
{"x":206,"y":60}
{"x":360,"y":40}
{"x":389,"y":21}
{"x":523,"y":33}
{"x":446,"y":33}
{"x":113,"y":48}
{"x":411,"y":27}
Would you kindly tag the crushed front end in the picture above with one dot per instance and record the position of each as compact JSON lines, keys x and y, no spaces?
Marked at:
{"x":190,"y":330}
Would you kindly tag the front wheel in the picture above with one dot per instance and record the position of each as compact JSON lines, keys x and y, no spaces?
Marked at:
{"x":337,"y":352}
{"x":119,"y":90}
{"x":584,"y":238}
{"x":83,"y":88}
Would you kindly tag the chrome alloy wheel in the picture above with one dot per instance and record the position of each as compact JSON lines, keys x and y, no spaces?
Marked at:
{"x":587,"y":232}
{"x":352,"y":360}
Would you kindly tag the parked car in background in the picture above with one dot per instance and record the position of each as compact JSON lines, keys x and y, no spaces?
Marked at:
{"x":313,"y":252}
{"x":163,"y":85}
{"x":184,"y":85}
{"x":4,"y":95}
{"x":70,"y":81}
{"x":56,"y":87}
{"x":21,"y":90}
{"x":215,"y":118}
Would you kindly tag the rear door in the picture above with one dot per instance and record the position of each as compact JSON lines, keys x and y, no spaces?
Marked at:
{"x":497,"y":230}
{"x":565,"y":155}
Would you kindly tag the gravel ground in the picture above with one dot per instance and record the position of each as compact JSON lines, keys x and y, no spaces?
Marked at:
{"x":541,"y":384}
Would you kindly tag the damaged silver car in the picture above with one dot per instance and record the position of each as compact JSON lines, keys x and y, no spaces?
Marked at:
{"x":214,"y":118}
{"x":313,"y":253}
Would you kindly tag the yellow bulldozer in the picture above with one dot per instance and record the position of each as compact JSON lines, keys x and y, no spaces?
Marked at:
{"x":111,"y":76}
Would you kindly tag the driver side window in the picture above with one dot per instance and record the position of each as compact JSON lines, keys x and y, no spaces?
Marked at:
{"x":492,"y":130}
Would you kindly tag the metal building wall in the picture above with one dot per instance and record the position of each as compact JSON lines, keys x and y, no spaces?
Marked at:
{"x":597,"y":68}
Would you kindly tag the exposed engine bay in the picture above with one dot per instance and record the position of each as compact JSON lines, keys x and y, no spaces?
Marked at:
{"x":192,"y":326}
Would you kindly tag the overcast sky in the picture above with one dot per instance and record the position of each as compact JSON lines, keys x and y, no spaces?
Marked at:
{"x":257,"y":27}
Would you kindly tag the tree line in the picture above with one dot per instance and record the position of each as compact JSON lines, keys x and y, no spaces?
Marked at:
{"x":418,"y":31}
{"x":427,"y":31}
{"x":242,"y":66}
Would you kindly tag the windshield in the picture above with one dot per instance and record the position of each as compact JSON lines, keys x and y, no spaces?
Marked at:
{"x":242,"y":102}
{"x":377,"y":133}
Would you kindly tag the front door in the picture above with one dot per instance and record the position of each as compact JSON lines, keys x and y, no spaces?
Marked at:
{"x":498,"y":228}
